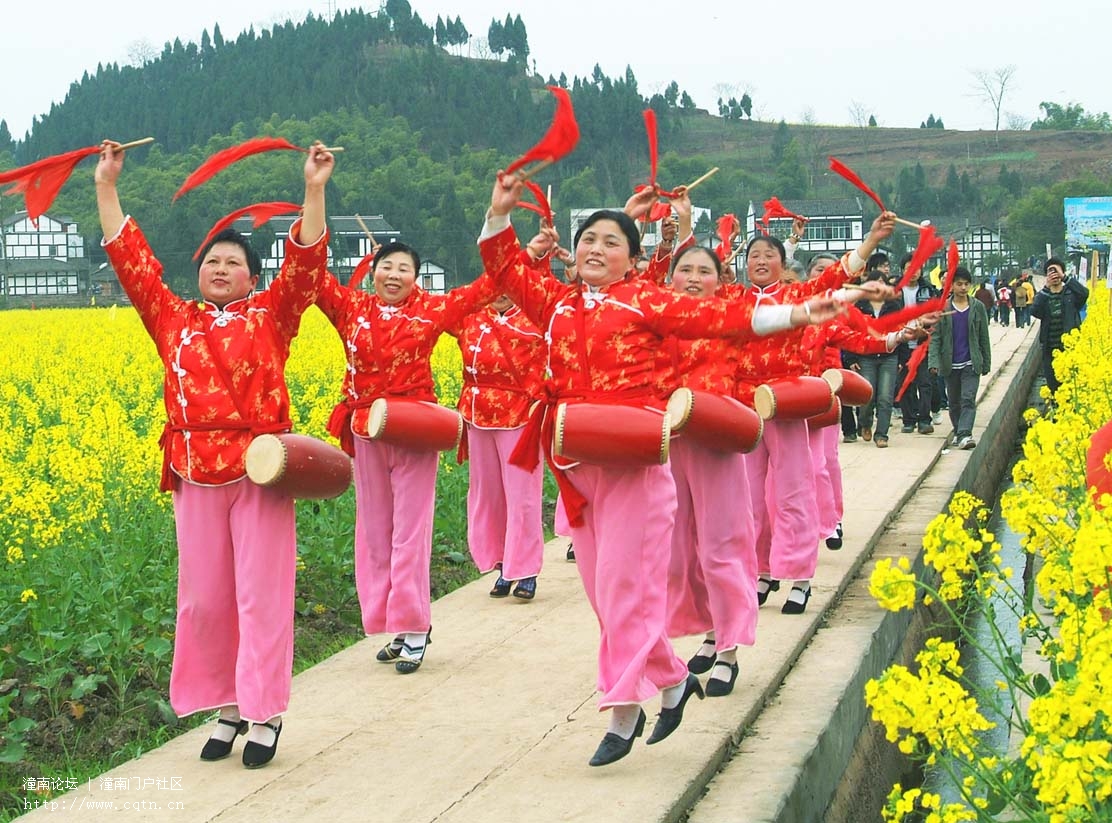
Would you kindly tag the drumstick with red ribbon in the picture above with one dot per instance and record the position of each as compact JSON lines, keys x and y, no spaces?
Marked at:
{"x":40,"y":182}
{"x":558,"y":142}
{"x":233,"y":154}
{"x":840,"y":168}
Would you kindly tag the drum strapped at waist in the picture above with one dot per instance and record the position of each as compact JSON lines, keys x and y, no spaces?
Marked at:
{"x":715,"y":421}
{"x":415,"y":424}
{"x":298,"y":465}
{"x":793,"y":398}
{"x":168,"y":479}
{"x":850,"y":387}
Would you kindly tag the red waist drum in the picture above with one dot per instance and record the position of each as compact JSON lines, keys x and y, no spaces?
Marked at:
{"x":831,"y":417}
{"x":611,"y":435}
{"x":852,"y":389}
{"x":715,"y":421}
{"x":793,"y":398}
{"x":298,"y":465}
{"x":416,"y":424}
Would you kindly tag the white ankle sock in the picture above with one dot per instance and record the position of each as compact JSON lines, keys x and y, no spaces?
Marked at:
{"x":764,"y":585}
{"x":670,"y":697}
{"x":708,"y":648}
{"x":264,"y":735}
{"x":797,"y":596}
{"x":721,"y":670}
{"x":623,"y":720}
{"x":224,"y":732}
{"x":414,"y":646}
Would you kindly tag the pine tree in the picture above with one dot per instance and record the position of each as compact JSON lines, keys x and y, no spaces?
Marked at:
{"x":440,"y":33}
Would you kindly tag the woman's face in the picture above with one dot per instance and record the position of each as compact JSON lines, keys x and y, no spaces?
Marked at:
{"x":695,"y":274}
{"x":394,"y":277}
{"x":501,"y":303}
{"x":764,"y":263}
{"x":224,"y":275}
{"x":602,"y":254}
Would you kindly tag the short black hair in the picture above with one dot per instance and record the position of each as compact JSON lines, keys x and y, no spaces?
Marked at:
{"x":230,"y":235}
{"x":1054,"y":261}
{"x":876,"y":260}
{"x":962,"y":273}
{"x":394,"y":246}
{"x":775,"y":242}
{"x":625,"y":223}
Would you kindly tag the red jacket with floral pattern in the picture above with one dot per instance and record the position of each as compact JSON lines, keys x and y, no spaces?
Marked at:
{"x":225,"y":368}
{"x":388,"y":347}
{"x":503,"y":367}
{"x":851,"y":332}
{"x":782,"y":355}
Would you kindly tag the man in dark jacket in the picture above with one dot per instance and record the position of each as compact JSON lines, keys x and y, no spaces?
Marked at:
{"x":961,"y":352}
{"x":1058,"y":306}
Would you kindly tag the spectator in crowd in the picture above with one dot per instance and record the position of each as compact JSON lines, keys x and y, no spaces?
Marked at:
{"x":1059,"y":307}
{"x":960,"y":351}
{"x":1004,"y":302}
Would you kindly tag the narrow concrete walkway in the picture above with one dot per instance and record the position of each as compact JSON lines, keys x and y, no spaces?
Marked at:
{"x":501,"y":719}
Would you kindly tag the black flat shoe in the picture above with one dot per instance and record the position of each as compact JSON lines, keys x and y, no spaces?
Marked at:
{"x":570,"y":556}
{"x":615,"y":747}
{"x":412,"y":659}
{"x":834,"y":542}
{"x":216,"y":749}
{"x":501,"y":587}
{"x":526,"y":589}
{"x":792,"y":607}
{"x":256,"y":755}
{"x":773,"y":586}
{"x":721,"y":688}
{"x":669,"y":719}
{"x":390,"y":651}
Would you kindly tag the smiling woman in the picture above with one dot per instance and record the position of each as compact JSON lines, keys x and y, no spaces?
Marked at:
{"x":388,"y":338}
{"x":224,"y":361}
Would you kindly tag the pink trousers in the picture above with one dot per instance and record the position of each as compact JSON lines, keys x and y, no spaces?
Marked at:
{"x":560,"y":523}
{"x":828,"y":477}
{"x":622,"y":553}
{"x":395,"y":493}
{"x":233,"y":644}
{"x":503,"y":506}
{"x":713,"y":571}
{"x":782,"y":488}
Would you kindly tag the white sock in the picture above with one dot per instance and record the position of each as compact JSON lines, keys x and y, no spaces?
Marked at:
{"x":224,"y":732}
{"x":623,"y":720}
{"x":721,"y":670}
{"x":264,"y":735}
{"x":414,"y":647}
{"x":670,"y":697}
{"x":707,"y":649}
{"x":797,"y":596}
{"x":764,"y":585}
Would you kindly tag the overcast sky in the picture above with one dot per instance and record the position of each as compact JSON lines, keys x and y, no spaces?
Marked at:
{"x":811,"y":59}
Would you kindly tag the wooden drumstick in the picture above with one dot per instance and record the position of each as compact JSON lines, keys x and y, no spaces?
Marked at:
{"x":366,"y":231}
{"x":134,"y":143}
{"x":706,"y":176}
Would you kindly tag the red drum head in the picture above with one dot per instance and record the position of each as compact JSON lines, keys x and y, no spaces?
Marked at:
{"x":298,"y":465}
{"x":416,"y":424}
{"x":852,"y":389}
{"x":717,"y":422}
{"x":832,"y":417}
{"x":611,"y":435}
{"x":793,"y":397}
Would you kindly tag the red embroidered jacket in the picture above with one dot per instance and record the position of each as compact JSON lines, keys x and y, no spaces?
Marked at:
{"x":388,"y":347}
{"x":607,"y":341}
{"x":851,"y":332}
{"x":781,"y":355}
{"x":503,"y":367}
{"x":225,"y":368}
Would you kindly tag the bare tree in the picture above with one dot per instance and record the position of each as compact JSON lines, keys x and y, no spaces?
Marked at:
{"x":141,"y":52}
{"x":858,"y":113}
{"x":1017,"y":122}
{"x":992,"y":87}
{"x":480,"y":49}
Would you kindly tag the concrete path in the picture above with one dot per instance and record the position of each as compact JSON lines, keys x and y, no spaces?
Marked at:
{"x":501,"y":719}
